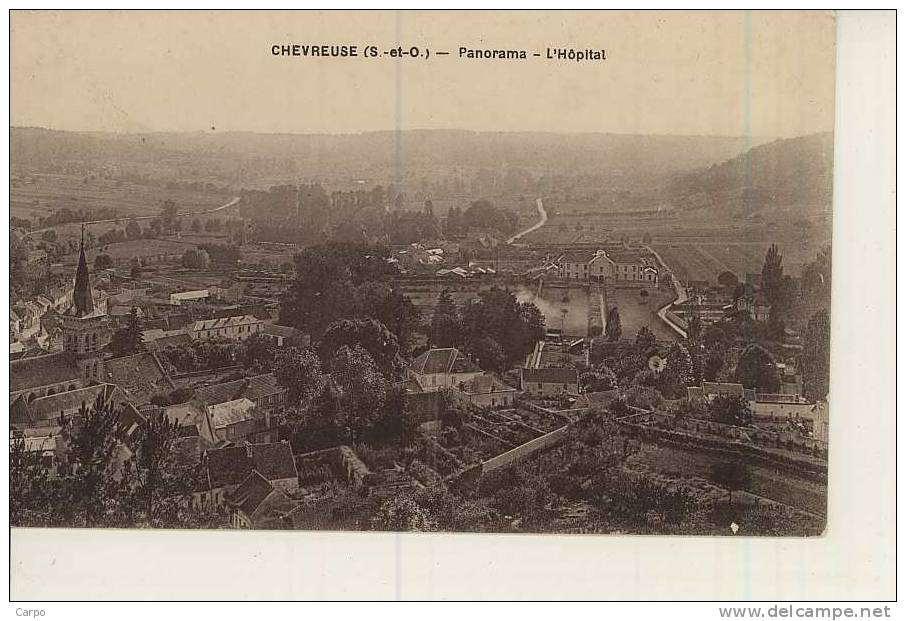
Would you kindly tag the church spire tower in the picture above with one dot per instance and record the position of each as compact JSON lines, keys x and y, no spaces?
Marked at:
{"x":82,"y":300}
{"x":86,"y":330}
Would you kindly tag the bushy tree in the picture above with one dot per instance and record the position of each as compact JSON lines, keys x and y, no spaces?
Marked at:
{"x":488,"y":354}
{"x":645,"y":341}
{"x":614,"y":329}
{"x":385,"y":303}
{"x":103,"y":262}
{"x":196,"y":258}
{"x":299,"y":371}
{"x":92,"y":444}
{"x":362,"y":389}
{"x":156,"y":488}
{"x":730,"y":410}
{"x":168,"y":216}
{"x":714,"y":364}
{"x":133,"y":230}
{"x":327,"y":282}
{"x":445,"y":322}
{"x":257,"y":353}
{"x":677,"y":373}
{"x":402,"y":513}
{"x":644,"y":397}
{"x":734,"y":476}
{"x":33,"y":495}
{"x":128,"y":339}
{"x":371,"y":334}
{"x":772,"y":274}
{"x":756,"y":369}
{"x":497,"y":314}
{"x":602,"y":378}
{"x":815,"y":358}
{"x":694,"y":330}
{"x":109,"y":477}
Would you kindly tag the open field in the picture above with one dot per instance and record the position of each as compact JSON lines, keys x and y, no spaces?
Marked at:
{"x":273,"y":255}
{"x":41,"y":195}
{"x":36,"y":196}
{"x":694,"y":247}
{"x":705,"y":259}
{"x":766,"y":482}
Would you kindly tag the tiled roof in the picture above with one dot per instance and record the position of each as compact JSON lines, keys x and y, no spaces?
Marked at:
{"x":274,"y":460}
{"x":230,"y":465}
{"x":231,"y":412}
{"x":576,"y":256}
{"x":447,"y":360}
{"x":251,"y":388}
{"x":185,"y":413}
{"x":251,"y":493}
{"x":130,"y":419}
{"x":275,"y":330}
{"x":227,"y":466}
{"x":187,"y":431}
{"x":36,"y":371}
{"x":550,"y":376}
{"x":224,"y":322}
{"x":49,"y":407}
{"x":485,"y":384}
{"x":140,"y":376}
{"x":626,"y":256}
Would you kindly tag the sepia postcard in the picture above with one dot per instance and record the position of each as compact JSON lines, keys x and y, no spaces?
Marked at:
{"x":453,"y":272}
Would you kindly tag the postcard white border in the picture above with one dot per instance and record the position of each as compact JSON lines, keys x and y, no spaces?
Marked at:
{"x":854,"y":560}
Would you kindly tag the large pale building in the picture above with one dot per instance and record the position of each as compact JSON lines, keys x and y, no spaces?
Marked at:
{"x":622,"y":265}
{"x":233,"y":328}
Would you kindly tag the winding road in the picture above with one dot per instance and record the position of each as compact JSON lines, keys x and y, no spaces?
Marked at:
{"x":543,"y":219}
{"x":681,"y":296}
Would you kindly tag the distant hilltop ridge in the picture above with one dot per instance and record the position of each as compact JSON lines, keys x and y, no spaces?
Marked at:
{"x":237,"y":155}
{"x":779,"y":174}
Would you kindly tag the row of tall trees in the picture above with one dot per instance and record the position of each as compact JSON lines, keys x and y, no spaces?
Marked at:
{"x":481,"y":214}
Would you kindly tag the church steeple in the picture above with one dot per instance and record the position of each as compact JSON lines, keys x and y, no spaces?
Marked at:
{"x":82,"y":300}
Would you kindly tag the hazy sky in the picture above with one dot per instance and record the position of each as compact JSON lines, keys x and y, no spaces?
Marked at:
{"x":767,"y":74}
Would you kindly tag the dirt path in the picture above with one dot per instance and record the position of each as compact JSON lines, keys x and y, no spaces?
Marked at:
{"x":543,"y":220}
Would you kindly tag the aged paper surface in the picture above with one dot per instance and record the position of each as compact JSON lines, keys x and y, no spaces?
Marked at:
{"x":559,"y":275}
